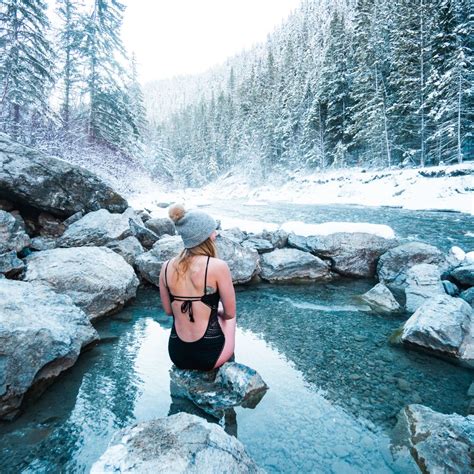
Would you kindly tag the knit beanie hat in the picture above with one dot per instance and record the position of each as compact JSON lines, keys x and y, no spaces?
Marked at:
{"x":194,"y":227}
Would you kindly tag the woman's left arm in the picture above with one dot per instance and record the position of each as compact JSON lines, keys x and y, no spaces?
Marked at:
{"x":165,"y":297}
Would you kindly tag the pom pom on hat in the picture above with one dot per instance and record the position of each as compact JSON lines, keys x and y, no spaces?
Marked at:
{"x":176,"y":212}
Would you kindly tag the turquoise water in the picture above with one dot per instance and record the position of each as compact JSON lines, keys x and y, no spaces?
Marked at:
{"x":335,"y":385}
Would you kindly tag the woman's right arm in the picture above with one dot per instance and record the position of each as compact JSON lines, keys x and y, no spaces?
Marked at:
{"x":226,"y":290}
{"x":165,"y":297}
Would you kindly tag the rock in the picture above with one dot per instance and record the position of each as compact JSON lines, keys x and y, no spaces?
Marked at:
{"x":293,"y":264}
{"x":469,"y":258}
{"x":180,"y":443}
{"x":50,"y":226}
{"x":464,"y":275}
{"x":234,"y":234}
{"x":146,"y":236}
{"x":468,"y":295}
{"x":41,"y":335}
{"x":51,"y":184}
{"x":260,"y":245}
{"x":74,"y":218}
{"x":42,"y":243}
{"x":470,"y":392}
{"x":149,"y":263}
{"x":456,"y":256}
{"x":12,"y":235}
{"x":278,"y":238}
{"x":450,"y":288}
{"x":144,"y":215}
{"x":351,"y":253}
{"x":423,"y":281}
{"x":129,"y":248}
{"x":393,"y":265}
{"x":380,"y":298}
{"x":161,"y":226}
{"x":243,"y":262}
{"x":444,"y":325}
{"x":6,"y":205}
{"x":97,"y":279}
{"x":10,"y":264}
{"x":215,"y":392}
{"x":439,"y":443}
{"x":98,"y":228}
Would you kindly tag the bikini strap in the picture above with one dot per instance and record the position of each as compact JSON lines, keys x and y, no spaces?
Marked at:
{"x":205,"y":275}
{"x":166,"y":274}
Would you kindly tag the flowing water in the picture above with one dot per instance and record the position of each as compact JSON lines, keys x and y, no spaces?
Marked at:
{"x":336,"y":384}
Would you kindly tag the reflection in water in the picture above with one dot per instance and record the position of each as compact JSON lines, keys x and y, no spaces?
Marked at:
{"x":314,"y":362}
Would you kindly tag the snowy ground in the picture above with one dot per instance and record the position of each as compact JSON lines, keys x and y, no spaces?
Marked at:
{"x":440,"y":187}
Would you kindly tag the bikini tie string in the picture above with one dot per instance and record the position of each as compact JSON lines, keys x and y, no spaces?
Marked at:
{"x":186,"y":307}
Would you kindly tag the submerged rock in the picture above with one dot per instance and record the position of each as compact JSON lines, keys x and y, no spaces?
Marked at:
{"x":444,"y":325}
{"x":97,"y":279}
{"x":393,"y":265}
{"x":293,"y":264}
{"x":215,"y":392}
{"x":41,"y":335}
{"x":439,"y":443}
{"x":423,"y":282}
{"x":180,"y":443}
{"x":380,"y":298}
{"x":50,"y":184}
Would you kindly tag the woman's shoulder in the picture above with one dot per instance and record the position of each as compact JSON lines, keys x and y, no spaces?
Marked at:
{"x":217,"y":264}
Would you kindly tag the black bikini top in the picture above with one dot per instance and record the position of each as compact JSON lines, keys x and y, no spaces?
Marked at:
{"x":211,"y":300}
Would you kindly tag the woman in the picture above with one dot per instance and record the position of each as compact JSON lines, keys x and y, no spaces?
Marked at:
{"x":191,"y":285}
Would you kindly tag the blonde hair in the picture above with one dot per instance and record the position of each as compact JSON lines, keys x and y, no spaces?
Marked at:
{"x":207,"y":248}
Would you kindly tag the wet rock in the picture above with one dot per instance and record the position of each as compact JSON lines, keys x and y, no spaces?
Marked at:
{"x":423,"y":281}
{"x":10,"y":264}
{"x":351,"y":253}
{"x":450,"y":288}
{"x":146,"y":236}
{"x":464,"y":275}
{"x":161,"y":226}
{"x":42,"y":334}
{"x":393,"y":265}
{"x":149,"y":263}
{"x":129,"y":248}
{"x":437,"y":442}
{"x":180,"y":443}
{"x":215,"y":392}
{"x":98,"y":228}
{"x":51,"y":184}
{"x":12,"y":234}
{"x":468,"y":295}
{"x":444,"y":325}
{"x":243,"y":262}
{"x":293,"y":264}
{"x":260,"y":245}
{"x":380,"y":298}
{"x":97,"y":279}
{"x":42,"y":243}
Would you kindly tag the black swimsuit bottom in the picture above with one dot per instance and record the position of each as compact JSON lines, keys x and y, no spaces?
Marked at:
{"x":203,"y":353}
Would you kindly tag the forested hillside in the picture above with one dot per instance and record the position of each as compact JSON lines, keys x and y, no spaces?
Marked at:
{"x":367,"y":82}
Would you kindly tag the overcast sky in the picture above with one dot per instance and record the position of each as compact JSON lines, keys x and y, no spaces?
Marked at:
{"x":172,"y":37}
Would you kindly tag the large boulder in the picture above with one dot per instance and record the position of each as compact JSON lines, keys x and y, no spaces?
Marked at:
{"x":464,"y":275}
{"x":98,"y":228}
{"x":352,"y":254}
{"x":439,"y":443}
{"x":393,"y":265}
{"x":443,"y":325}
{"x":423,"y":281}
{"x":381,"y":299}
{"x":41,"y":335}
{"x":242,"y":261}
{"x":293,"y":265}
{"x":161,"y":226}
{"x":12,"y":234}
{"x":97,"y":279}
{"x":215,"y":392}
{"x":149,"y":263}
{"x":50,"y":184}
{"x":179,"y":443}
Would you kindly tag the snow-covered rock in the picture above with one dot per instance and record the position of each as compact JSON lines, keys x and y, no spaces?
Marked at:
{"x":439,"y":443}
{"x":51,"y":184}
{"x":469,"y":258}
{"x":380,"y":299}
{"x":444,"y":325}
{"x":97,"y":279}
{"x":293,"y":264}
{"x":423,"y":281}
{"x":456,"y":256}
{"x":41,"y":335}
{"x":179,"y":443}
{"x":393,"y":265}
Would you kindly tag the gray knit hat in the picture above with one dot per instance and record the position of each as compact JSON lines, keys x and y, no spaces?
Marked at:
{"x":194,"y":227}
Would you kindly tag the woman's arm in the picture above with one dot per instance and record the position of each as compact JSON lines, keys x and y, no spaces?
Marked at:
{"x":226,"y":290}
{"x":165,"y":297}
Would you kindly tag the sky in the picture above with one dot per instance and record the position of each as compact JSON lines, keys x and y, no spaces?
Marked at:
{"x":174,"y":37}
